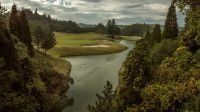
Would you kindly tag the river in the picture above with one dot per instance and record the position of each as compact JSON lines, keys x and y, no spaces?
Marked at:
{"x":90,"y":74}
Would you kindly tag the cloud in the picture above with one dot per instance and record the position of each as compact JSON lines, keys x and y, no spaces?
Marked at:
{"x":95,"y":11}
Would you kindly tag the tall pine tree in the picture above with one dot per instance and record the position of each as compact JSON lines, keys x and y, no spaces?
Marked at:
{"x":7,"y":50}
{"x":171,"y":25}
{"x":14,"y":22}
{"x":26,"y":34}
{"x":113,"y":28}
{"x":156,"y":34}
{"x":147,"y":36}
{"x":104,"y":103}
{"x":109,"y":28}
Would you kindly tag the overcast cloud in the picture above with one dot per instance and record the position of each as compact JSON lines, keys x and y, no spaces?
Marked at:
{"x":95,"y":11}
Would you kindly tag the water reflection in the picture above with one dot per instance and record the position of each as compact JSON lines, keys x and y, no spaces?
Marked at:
{"x":90,"y":74}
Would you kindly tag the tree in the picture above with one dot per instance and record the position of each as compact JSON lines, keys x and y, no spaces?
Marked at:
{"x":49,"y":42}
{"x":26,"y":34}
{"x":38,"y":36}
{"x":161,"y":50}
{"x":147,"y":36}
{"x":136,"y":29}
{"x":156,"y":34}
{"x":183,"y":4}
{"x":133,"y":76}
{"x":191,"y":36}
{"x":8,"y":51}
{"x":112,"y":29}
{"x":3,"y":15}
{"x":104,"y":103}
{"x":171,"y":25}
{"x":118,"y":31}
{"x":109,"y":28}
{"x":36,"y":13}
{"x":100,"y":28}
{"x":14,"y":22}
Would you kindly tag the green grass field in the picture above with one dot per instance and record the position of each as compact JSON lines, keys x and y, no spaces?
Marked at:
{"x":131,"y":38}
{"x":74,"y":45}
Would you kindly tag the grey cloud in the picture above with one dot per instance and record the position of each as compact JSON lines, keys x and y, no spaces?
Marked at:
{"x":93,"y":1}
{"x":95,"y":11}
{"x":133,"y":6}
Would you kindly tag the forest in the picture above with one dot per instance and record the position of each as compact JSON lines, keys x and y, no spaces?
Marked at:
{"x":41,"y":58}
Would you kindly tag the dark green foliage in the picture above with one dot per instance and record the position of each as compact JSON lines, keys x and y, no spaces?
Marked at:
{"x":136,"y":29}
{"x":109,"y":28}
{"x":112,"y":29}
{"x":27,"y":83}
{"x":46,"y":20}
{"x":162,"y":50}
{"x":14,"y":22}
{"x":49,"y":42}
{"x":174,"y":71}
{"x":100,"y":28}
{"x":182,"y":4}
{"x":38,"y":36}
{"x":8,"y":51}
{"x":104,"y":103}
{"x":19,"y":27}
{"x":3,"y":15}
{"x":26,"y":34}
{"x":171,"y":26}
{"x":164,"y":77}
{"x":147,"y":36}
{"x":175,"y":82}
{"x":191,"y":36}
{"x":133,"y":76}
{"x":156,"y":34}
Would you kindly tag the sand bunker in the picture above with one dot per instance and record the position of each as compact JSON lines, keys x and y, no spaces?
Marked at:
{"x":97,"y":46}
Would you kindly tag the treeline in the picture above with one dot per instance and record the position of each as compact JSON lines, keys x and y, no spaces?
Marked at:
{"x":27,"y":82}
{"x":56,"y":25}
{"x":111,"y":30}
{"x":160,"y":75}
{"x":135,"y":29}
{"x":45,"y":21}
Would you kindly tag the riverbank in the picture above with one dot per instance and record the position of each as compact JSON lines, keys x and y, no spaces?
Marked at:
{"x":90,"y":74}
{"x":84,"y":44}
{"x":131,"y":38}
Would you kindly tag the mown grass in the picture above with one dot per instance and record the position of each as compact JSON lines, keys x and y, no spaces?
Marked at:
{"x":72,"y":45}
{"x":67,"y":39}
{"x":131,"y":38}
{"x":81,"y":36}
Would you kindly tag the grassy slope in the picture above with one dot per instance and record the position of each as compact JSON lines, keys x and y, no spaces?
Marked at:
{"x":131,"y":38}
{"x":58,"y":64}
{"x":72,"y":45}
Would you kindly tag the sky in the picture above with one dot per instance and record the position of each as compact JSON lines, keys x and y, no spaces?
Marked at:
{"x":95,"y":11}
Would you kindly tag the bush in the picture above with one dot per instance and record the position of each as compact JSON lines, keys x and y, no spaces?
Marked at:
{"x":161,"y":50}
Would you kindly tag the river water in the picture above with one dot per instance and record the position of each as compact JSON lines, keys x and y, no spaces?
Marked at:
{"x":90,"y":74}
